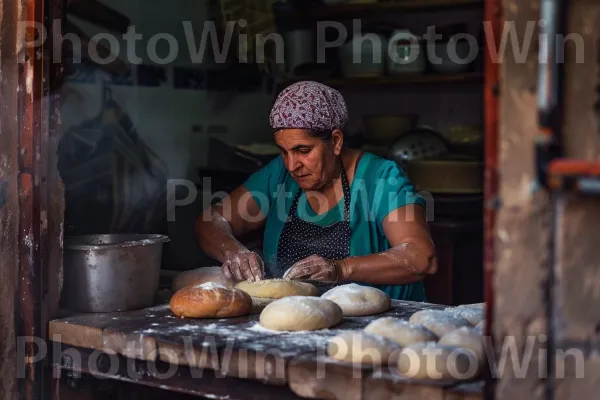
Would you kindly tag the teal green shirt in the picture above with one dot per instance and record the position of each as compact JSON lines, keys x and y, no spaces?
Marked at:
{"x":379,"y":186}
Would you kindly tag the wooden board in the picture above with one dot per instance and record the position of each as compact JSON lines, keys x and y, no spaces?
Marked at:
{"x":233,"y":347}
{"x":155,"y":333}
{"x":322,"y":378}
{"x":386,"y":383}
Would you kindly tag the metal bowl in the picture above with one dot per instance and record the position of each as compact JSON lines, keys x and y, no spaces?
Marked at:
{"x":418,"y":143}
{"x":107,"y":273}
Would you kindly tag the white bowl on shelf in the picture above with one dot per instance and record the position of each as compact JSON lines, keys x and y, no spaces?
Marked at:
{"x":406,"y":53}
{"x":364,"y":56}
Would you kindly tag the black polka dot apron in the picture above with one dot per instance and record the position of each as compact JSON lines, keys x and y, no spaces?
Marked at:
{"x":300,"y":239}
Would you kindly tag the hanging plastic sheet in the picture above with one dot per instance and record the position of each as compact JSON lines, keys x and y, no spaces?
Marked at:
{"x":114,"y":183}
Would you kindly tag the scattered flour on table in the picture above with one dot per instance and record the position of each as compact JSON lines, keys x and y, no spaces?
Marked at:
{"x":162,"y":307}
{"x":259,"y":328}
{"x":214,"y":396}
{"x":231,"y":331}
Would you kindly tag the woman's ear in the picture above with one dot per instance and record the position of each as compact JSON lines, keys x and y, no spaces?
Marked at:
{"x":337,"y":139}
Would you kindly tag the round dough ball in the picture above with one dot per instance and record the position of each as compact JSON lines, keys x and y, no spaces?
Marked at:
{"x":439,"y":322}
{"x":301,"y":313}
{"x":400,"y":331}
{"x":434,"y":361}
{"x":473,"y":315}
{"x":277,"y":288}
{"x":466,"y":338}
{"x":358,"y":300}
{"x":210,"y":300}
{"x":441,"y":326}
{"x":359,"y":347}
{"x":417,"y":317}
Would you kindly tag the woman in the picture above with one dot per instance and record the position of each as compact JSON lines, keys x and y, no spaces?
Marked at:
{"x":330,"y":213}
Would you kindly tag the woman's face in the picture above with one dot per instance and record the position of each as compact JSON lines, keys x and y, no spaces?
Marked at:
{"x":310,"y":160}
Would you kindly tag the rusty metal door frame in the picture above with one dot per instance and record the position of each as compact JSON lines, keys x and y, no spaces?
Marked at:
{"x":9,"y":203}
{"x":494,"y":17}
{"x":28,"y":120}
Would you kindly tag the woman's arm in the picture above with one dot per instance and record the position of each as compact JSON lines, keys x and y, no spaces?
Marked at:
{"x":217,"y":229}
{"x":410,"y":259}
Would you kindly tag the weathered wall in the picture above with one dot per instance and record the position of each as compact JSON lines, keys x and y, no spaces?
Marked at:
{"x":523,"y":220}
{"x":576,"y":312}
{"x":9,"y":206}
{"x":524,"y":223}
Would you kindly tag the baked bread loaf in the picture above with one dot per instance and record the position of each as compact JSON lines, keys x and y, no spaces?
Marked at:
{"x":210,"y":300}
{"x":199,"y":276}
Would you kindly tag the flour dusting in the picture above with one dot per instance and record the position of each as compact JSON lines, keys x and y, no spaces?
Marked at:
{"x":259,"y":328}
{"x":211,"y":286}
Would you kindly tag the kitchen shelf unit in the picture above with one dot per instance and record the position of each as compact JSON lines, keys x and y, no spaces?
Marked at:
{"x":386,"y":81}
{"x":340,"y":11}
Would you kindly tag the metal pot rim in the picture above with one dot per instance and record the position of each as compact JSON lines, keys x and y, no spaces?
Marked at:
{"x":85,"y":242}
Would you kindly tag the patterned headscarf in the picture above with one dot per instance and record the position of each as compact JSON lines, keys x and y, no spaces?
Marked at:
{"x":309,"y":105}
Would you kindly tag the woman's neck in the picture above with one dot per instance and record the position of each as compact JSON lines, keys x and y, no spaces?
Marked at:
{"x":333,"y":191}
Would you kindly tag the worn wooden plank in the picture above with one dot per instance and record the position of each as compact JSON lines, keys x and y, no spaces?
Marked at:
{"x":465,"y":391}
{"x":75,"y":334}
{"x":387,"y":383}
{"x":234,"y":347}
{"x":202,"y":383}
{"x":266,"y":359}
{"x":186,"y":354}
{"x":158,"y":322}
{"x":322,"y":378}
{"x":139,"y":334}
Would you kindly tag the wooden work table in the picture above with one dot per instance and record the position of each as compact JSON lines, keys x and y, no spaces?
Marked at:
{"x":233,"y":358}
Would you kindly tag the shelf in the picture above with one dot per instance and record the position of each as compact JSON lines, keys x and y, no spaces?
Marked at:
{"x":345,"y":10}
{"x":395,"y":80}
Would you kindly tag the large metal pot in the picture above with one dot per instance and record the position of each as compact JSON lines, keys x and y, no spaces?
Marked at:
{"x":107,"y":273}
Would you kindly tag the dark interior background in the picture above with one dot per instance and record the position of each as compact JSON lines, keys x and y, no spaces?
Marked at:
{"x":129,"y":128}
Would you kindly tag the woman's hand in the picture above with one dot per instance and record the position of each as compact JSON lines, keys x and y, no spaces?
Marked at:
{"x":244,"y":265}
{"x":316,"y":268}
